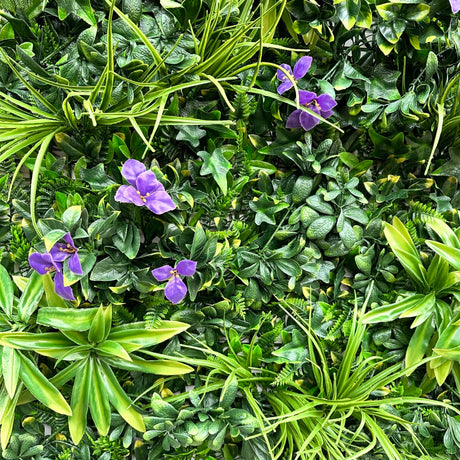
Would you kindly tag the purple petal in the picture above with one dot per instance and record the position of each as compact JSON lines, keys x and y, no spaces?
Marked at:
{"x":281,"y":76}
{"x":293,"y":120}
{"x":43,"y":263}
{"x":146,"y":183}
{"x":159,"y":202}
{"x":455,"y":5}
{"x":305,"y":97}
{"x":63,"y":291}
{"x":162,"y":273}
{"x":186,"y":267}
{"x":302,"y":66}
{"x":308,"y":121}
{"x":326,"y":114}
{"x":284,"y":87}
{"x":175,"y":290}
{"x":128,"y":194}
{"x":75,"y":264}
{"x":326,"y":102}
{"x":131,"y":169}
{"x":57,"y":254}
{"x":68,"y":239}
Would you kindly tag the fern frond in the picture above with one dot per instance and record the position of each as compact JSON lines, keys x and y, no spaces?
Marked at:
{"x":285,"y":376}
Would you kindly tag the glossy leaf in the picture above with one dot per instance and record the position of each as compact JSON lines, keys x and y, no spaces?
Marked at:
{"x":419,"y":342}
{"x":119,"y":399}
{"x":135,"y":335}
{"x":392,"y":311}
{"x":161,"y":366}
{"x":41,"y":387}
{"x":99,"y":401}
{"x":30,"y":297}
{"x":82,"y":388}
{"x":10,"y":369}
{"x":100,"y":325}
{"x":6,"y":291}
{"x":70,"y":319}
{"x":452,"y":255}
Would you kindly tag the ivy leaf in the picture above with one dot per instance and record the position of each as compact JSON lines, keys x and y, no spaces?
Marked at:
{"x":191,"y":134}
{"x":217,"y":165}
{"x":266,"y":208}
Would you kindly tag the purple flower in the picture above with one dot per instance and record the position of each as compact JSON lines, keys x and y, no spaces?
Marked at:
{"x":455,"y":5}
{"x":43,"y":264}
{"x":176,"y":289}
{"x":145,"y":189}
{"x":300,"y":69}
{"x":321,"y":105}
{"x":60,"y":252}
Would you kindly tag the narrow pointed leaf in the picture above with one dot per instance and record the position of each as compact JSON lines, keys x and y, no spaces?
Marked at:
{"x":6,"y":291}
{"x":81,"y":391}
{"x":120,"y":399}
{"x":452,"y":255}
{"x":161,"y":366}
{"x":137,"y":335}
{"x":99,"y":402}
{"x":41,"y":387}
{"x":30,"y":297}
{"x":70,"y":319}
{"x":10,"y":369}
{"x":112,"y":349}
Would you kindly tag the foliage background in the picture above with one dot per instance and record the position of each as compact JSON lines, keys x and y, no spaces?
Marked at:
{"x":294,"y":233}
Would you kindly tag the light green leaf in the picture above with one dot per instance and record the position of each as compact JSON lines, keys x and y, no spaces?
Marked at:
{"x":71,"y":215}
{"x":82,"y":388}
{"x":99,"y":401}
{"x":10,"y":369}
{"x":6,"y":291}
{"x":70,"y":319}
{"x":120,"y":399}
{"x":419,"y":342}
{"x":52,"y":237}
{"x":452,"y":255}
{"x":30,"y":297}
{"x":217,"y":165}
{"x":160,"y":366}
{"x":135,"y":336}
{"x":41,"y":387}
{"x":109,"y":348}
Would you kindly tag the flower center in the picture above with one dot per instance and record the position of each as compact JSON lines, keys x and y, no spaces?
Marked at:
{"x":50,"y":269}
{"x":143,"y":197}
{"x":173,"y":272}
{"x":314,"y":103}
{"x":69,"y":249}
